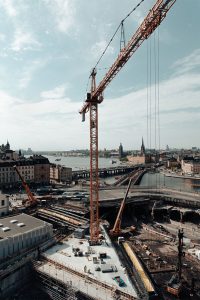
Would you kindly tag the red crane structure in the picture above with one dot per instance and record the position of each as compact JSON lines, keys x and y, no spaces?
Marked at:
{"x":32,"y":201}
{"x":117,"y":226}
{"x":153,"y":19}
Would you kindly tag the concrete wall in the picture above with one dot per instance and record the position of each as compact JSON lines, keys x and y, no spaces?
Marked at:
{"x":14,"y":281}
{"x":13,"y":245}
{"x":4,"y":205}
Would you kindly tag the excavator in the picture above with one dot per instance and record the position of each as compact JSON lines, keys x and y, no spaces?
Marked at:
{"x":31,"y":201}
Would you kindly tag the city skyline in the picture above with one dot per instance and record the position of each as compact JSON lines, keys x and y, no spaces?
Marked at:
{"x":48,"y":50}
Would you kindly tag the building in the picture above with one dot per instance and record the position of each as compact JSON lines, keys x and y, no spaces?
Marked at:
{"x":26,"y":169}
{"x":60,"y":173}
{"x":121,"y":152}
{"x":136,"y":159}
{"x":22,"y":232}
{"x":41,"y":169}
{"x":4,"y":205}
{"x":35,"y":169}
{"x":142,"y":148}
{"x":190,"y":165}
{"x":3,"y":147}
{"x":141,"y":158}
{"x":172,"y":163}
{"x":7,"y":153}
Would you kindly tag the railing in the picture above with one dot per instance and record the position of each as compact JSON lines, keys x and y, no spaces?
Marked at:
{"x":89,"y":279}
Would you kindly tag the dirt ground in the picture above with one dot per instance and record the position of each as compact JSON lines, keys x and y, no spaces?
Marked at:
{"x":156,"y":245}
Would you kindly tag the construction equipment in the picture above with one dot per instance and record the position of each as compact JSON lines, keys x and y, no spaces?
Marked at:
{"x":117,"y":226}
{"x":31,"y":201}
{"x":174,"y":286}
{"x":154,"y":18}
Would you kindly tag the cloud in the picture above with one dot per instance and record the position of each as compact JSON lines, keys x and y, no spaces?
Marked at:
{"x":42,"y":125}
{"x":56,"y":93}
{"x":98,"y":48}
{"x":64,"y":13}
{"x":19,"y":16}
{"x":179,"y":99}
{"x":9,"y":8}
{"x":24,"y":41}
{"x":28,"y":72}
{"x":2,"y":37}
{"x":188,"y":63}
{"x":55,"y":119}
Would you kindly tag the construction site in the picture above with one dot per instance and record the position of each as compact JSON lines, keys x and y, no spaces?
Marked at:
{"x":117,"y":241}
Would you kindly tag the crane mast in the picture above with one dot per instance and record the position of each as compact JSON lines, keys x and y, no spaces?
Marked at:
{"x":153,"y":19}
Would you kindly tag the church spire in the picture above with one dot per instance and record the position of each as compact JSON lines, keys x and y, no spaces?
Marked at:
{"x":142,"y":148}
{"x":7,"y":146}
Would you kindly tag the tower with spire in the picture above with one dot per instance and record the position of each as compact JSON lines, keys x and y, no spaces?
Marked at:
{"x":142,"y":148}
{"x":121,"y":152}
{"x":7,"y":146}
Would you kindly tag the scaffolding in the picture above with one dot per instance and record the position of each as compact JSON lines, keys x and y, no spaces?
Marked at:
{"x":61,"y":289}
{"x":55,"y":288}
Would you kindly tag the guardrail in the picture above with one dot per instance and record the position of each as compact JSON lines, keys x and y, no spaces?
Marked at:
{"x":89,"y":279}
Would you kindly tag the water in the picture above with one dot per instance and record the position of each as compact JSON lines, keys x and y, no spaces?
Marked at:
{"x":82,"y":163}
{"x":152,"y":180}
{"x":158,"y":179}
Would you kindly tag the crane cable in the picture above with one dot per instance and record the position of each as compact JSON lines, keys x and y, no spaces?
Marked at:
{"x":158,"y":94}
{"x":156,"y":101}
{"x":119,"y":26}
{"x":153,"y":96}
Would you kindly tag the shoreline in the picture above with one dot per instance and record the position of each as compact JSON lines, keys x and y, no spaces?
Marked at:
{"x":180,"y":176}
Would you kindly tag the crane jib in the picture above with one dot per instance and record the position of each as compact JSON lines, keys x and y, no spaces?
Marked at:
{"x":153,"y":19}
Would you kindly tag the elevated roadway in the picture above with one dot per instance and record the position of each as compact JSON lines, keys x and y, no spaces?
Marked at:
{"x":142,"y":195}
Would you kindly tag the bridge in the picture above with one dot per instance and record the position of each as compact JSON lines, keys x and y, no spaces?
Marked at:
{"x":110,"y":197}
{"x":104,"y":172}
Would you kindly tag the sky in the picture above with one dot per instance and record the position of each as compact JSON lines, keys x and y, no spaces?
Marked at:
{"x":47,"y":51}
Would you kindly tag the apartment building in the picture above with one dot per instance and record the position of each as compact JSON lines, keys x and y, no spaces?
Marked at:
{"x":35,"y":169}
{"x":41,"y":169}
{"x":190,"y":165}
{"x":60,"y":173}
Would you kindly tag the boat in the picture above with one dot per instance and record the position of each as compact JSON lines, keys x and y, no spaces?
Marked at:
{"x":113,"y":161}
{"x":58,"y":159}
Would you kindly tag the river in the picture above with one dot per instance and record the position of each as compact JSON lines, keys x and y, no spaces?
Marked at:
{"x":160,"y":180}
{"x":82,"y":163}
{"x":149,"y":179}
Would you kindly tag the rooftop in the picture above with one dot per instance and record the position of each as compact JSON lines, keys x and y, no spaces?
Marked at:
{"x":15,"y":225}
{"x":89,"y":264}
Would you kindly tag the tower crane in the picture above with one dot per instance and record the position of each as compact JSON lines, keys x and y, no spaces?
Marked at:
{"x":31,"y":199}
{"x":153,"y":19}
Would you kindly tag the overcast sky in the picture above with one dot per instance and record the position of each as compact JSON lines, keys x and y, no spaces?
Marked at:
{"x":47,"y":50}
